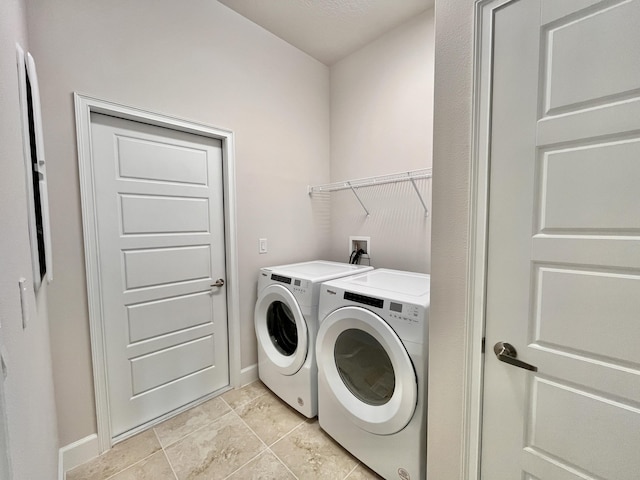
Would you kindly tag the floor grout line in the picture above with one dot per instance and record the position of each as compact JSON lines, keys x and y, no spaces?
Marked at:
{"x":254,"y":432}
{"x":226,"y":403}
{"x":266,"y":447}
{"x":352,"y":470}
{"x":246,"y":463}
{"x":170,"y":464}
{"x":265,"y":443}
{"x":283,"y":464}
{"x":248,"y":401}
{"x":289,"y":432}
{"x":251,"y":430}
{"x":194,"y":431}
{"x":131,"y":465}
{"x":157,"y":437}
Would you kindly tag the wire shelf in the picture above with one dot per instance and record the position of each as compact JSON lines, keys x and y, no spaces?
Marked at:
{"x":409,"y":176}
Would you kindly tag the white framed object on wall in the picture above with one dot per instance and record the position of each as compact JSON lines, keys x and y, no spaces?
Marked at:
{"x":35,"y":170}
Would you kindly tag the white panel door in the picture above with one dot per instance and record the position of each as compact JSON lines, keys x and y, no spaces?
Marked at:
{"x":160,"y":218}
{"x":563,"y":278}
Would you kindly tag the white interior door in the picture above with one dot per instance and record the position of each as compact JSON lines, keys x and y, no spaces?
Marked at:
{"x":563,"y":280}
{"x":160,"y":217}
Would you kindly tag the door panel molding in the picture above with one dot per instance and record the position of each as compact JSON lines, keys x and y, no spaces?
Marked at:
{"x":84,"y":107}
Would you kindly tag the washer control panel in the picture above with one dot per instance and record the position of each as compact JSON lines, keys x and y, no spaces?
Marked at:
{"x":405,"y":312}
{"x":409,"y":320}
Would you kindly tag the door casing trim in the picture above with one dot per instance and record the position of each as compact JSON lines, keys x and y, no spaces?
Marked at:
{"x":84,"y":107}
{"x":478,"y":233}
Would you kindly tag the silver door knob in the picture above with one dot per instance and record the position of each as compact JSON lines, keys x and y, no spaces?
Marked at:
{"x":218,"y":283}
{"x":507,"y":353}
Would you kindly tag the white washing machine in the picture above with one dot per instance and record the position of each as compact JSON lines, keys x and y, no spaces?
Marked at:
{"x":372,"y":354}
{"x":286,"y":323}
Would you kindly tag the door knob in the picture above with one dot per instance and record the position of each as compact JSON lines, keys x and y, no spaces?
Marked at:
{"x":219,"y":283}
{"x":508,"y":354}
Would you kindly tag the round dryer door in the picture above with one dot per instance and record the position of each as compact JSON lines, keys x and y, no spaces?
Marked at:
{"x":281,"y":329}
{"x":367,"y":369}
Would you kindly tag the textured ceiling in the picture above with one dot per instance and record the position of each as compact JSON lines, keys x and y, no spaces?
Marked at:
{"x":328,"y":30}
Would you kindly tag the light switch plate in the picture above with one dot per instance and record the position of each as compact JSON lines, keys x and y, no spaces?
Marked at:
{"x":262,"y":248}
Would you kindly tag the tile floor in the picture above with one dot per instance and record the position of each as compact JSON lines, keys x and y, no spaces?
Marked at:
{"x":243,"y":434}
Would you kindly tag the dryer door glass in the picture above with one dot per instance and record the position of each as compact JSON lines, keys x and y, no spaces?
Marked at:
{"x":364,"y":367}
{"x":282,"y":328}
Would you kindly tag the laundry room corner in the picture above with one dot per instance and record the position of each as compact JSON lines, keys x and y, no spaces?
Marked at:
{"x":382,"y":123}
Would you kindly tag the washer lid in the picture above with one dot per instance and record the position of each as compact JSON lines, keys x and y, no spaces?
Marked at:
{"x":367,"y":370}
{"x":394,"y":285}
{"x":318,"y":270}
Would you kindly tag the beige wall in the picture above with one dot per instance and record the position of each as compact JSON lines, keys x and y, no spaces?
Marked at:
{"x":451,"y":164}
{"x":200,"y":61}
{"x":381,"y":122}
{"x":28,"y":386}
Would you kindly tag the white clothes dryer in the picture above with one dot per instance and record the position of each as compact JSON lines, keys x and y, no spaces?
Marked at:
{"x":372,"y":358}
{"x":286,"y":323}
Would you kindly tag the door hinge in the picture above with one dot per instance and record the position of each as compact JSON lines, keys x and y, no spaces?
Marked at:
{"x":483,"y":342}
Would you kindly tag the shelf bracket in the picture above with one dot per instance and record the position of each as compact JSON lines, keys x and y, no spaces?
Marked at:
{"x":424,"y":205}
{"x":358,"y":197}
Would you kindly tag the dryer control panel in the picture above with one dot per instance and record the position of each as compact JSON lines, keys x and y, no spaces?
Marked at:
{"x":300,"y":288}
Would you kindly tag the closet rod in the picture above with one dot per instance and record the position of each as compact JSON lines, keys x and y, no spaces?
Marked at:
{"x":410,"y":176}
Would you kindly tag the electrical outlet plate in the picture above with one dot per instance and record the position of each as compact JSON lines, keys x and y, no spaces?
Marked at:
{"x":356,"y":242}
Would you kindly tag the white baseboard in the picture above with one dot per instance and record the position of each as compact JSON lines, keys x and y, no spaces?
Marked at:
{"x":248,"y":374}
{"x":77,"y":453}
